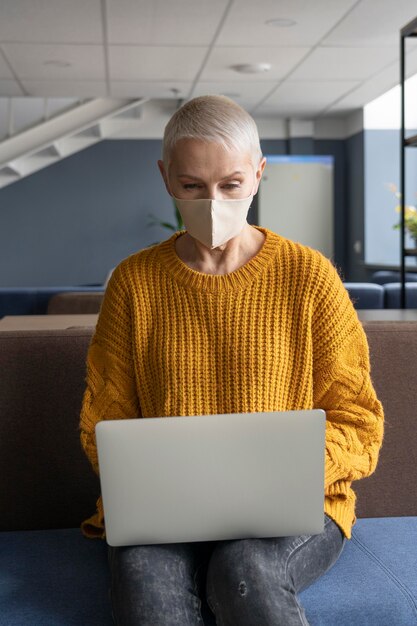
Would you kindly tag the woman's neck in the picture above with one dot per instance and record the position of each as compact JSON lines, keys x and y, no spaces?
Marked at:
{"x":222,"y":260}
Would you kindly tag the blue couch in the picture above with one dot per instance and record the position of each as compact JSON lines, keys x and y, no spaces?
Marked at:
{"x":382,"y":277}
{"x":392,"y":295}
{"x":386,"y":296}
{"x":87,"y":299}
{"x":34,"y":300}
{"x":50,"y":575}
{"x":366,"y":295}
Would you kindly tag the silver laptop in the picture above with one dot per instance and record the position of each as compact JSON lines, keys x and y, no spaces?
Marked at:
{"x":212,"y":477}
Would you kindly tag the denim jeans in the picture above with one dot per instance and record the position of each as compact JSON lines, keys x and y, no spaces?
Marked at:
{"x":245,"y":582}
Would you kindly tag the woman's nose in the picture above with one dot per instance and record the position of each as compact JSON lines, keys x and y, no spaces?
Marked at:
{"x":214,"y":194}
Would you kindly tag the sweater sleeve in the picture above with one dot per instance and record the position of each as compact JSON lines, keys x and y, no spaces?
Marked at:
{"x":110,"y":390}
{"x":343,"y":387}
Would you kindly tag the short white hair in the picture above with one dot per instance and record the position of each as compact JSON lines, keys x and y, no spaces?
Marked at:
{"x":213,"y":119}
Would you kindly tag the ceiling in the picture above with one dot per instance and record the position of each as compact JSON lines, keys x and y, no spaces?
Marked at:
{"x":339,"y":54}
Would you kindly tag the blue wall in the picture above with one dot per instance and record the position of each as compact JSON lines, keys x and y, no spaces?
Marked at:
{"x":70,"y":223}
{"x":355,"y":229}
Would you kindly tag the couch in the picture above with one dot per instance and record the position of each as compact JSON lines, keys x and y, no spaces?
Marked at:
{"x":392,"y":294}
{"x":381,"y":277}
{"x":366,"y":295}
{"x":75,"y":302}
{"x":88,"y":299}
{"x":35,"y":300}
{"x":50,"y":575}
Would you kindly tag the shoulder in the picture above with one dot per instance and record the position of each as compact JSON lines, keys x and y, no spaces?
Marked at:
{"x":305,"y":264}
{"x":136,"y":265}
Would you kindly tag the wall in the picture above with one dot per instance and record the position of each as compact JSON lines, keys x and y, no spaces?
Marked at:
{"x":355,"y":199}
{"x":69,"y":224}
{"x":337,"y":149}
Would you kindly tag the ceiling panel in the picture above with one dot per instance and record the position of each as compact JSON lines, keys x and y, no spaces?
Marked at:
{"x":10,"y":88}
{"x":4,"y":68}
{"x":135,"y":63}
{"x":160,"y":45}
{"x":351,"y":63}
{"x":222,"y":58}
{"x":38,"y":61}
{"x":46,"y":21}
{"x":302,"y":97}
{"x":150,"y":89}
{"x":67,"y":88}
{"x":374,"y":23}
{"x":379,"y":84}
{"x":158,"y":22}
{"x":247,"y":94}
{"x":245,"y":24}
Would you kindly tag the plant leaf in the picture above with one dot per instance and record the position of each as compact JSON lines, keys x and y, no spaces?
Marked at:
{"x":180,"y":223}
{"x":167,"y":225}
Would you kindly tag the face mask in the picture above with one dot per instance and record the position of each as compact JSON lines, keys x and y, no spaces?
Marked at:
{"x":214,"y":222}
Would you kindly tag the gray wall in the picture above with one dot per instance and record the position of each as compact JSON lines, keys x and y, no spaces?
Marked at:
{"x":70,"y":223}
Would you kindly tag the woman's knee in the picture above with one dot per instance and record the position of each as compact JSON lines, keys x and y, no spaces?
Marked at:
{"x":236,"y":567}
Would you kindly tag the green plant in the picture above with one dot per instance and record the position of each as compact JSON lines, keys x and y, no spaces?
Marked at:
{"x":177,"y":225}
{"x":410,"y":215}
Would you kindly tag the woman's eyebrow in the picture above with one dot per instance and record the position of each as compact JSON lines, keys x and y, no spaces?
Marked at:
{"x":233,"y":174}
{"x":188,"y":176}
{"x":237,"y":173}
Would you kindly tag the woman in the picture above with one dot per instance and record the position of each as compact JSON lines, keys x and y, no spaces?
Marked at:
{"x":228,"y":318}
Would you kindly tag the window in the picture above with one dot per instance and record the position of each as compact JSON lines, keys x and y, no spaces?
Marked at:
{"x":382,"y":121}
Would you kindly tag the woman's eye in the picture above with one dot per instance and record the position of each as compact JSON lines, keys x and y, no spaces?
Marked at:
{"x":190,"y":186}
{"x":232,"y":186}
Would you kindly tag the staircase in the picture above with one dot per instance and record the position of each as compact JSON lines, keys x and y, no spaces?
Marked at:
{"x":31,"y":145}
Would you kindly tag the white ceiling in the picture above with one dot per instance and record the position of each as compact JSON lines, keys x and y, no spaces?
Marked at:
{"x":338,"y":56}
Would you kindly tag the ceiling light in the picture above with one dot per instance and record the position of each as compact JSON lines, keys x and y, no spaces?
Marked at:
{"x":57,"y":63}
{"x":252,"y":68}
{"x":281,"y":22}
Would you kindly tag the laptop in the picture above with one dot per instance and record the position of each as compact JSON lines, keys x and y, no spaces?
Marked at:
{"x":212,"y":477}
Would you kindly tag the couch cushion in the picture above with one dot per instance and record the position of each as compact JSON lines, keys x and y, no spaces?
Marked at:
{"x":389,"y":492}
{"x":75,"y":302}
{"x":374,"y":582}
{"x":383,"y":276}
{"x":366,"y":295}
{"x":33,"y":300}
{"x":53,"y":578}
{"x":393,"y":295}
{"x":57,"y":577}
{"x":45,"y":478}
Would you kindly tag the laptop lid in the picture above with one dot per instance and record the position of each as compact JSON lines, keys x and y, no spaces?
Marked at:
{"x":212,"y":477}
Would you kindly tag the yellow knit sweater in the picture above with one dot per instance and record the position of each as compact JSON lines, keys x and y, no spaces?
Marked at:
{"x":279,"y":333}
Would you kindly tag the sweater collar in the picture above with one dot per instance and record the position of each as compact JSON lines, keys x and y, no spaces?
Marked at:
{"x":233,"y":281}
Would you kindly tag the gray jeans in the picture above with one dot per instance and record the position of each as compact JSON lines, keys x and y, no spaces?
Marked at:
{"x":245,"y":582}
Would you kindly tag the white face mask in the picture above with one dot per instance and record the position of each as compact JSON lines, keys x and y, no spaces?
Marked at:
{"x":214,"y":222}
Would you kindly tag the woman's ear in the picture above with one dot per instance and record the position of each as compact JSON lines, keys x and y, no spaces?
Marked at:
{"x":164,"y":176}
{"x":258,"y":173}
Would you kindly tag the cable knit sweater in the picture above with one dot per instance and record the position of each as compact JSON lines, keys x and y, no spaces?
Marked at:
{"x":279,"y":333}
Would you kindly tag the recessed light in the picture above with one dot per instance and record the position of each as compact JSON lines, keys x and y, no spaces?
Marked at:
{"x":281,"y":22}
{"x":57,"y":63}
{"x":252,"y":68}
